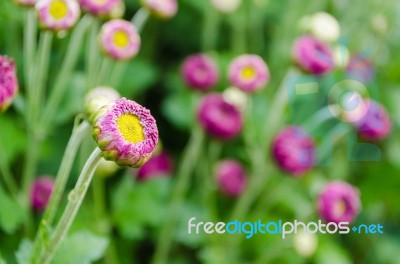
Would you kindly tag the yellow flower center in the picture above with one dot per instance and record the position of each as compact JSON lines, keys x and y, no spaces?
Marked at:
{"x":248,"y":72}
{"x":130,"y":128}
{"x":340,"y":208}
{"x":58,"y":9}
{"x":121,"y":39}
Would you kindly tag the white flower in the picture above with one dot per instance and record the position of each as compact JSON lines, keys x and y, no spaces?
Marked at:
{"x":226,"y":6}
{"x":305,"y":244}
{"x":322,"y":25}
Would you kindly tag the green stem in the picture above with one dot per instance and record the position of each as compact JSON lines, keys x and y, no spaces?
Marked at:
{"x":103,"y":76}
{"x":61,"y":179}
{"x":29,"y":48}
{"x":42,"y":61}
{"x":75,"y":199}
{"x":92,"y":54}
{"x":140,"y":18}
{"x":190,"y":157}
{"x":64,"y":75}
{"x":210,"y":31}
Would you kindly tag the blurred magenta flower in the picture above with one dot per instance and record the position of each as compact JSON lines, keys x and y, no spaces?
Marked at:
{"x":161,"y":8}
{"x":119,"y":39}
{"x":25,"y":2}
{"x":58,"y":14}
{"x":294,"y":150}
{"x":375,"y":124}
{"x":360,"y":68}
{"x":226,"y":6}
{"x":248,"y":72}
{"x":8,"y":82}
{"x":104,"y":8}
{"x":40,"y":192}
{"x":339,"y":202}
{"x":219,"y":118}
{"x":231,"y":177}
{"x":126,"y":132}
{"x":312,"y":55}
{"x":200,"y":72}
{"x":97,"y":98}
{"x":158,"y":165}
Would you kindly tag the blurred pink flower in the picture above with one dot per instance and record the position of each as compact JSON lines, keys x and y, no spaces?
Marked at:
{"x":58,"y":14}
{"x":375,"y":124}
{"x":8,"y":82}
{"x":41,"y":190}
{"x":360,"y":69}
{"x":119,"y":39}
{"x":219,"y":118}
{"x":312,"y":55}
{"x":294,"y":150}
{"x":200,"y":72}
{"x":161,"y":8}
{"x":339,"y":202}
{"x":158,"y":165}
{"x":104,"y":8}
{"x":248,"y":72}
{"x":231,"y":177}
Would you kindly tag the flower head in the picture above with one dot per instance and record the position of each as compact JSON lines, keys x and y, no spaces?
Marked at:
{"x":104,"y":8}
{"x":97,"y":98}
{"x":339,"y":202}
{"x":8,"y":82}
{"x":119,"y":39}
{"x":161,"y":8}
{"x":248,"y":72}
{"x":360,"y":69}
{"x":218,"y":117}
{"x":231,"y":177}
{"x":200,"y":72}
{"x":58,"y":14}
{"x":375,"y":124}
{"x":294,"y":151}
{"x":226,"y":6}
{"x":40,"y":192}
{"x":312,"y":55}
{"x":126,"y":132}
{"x":25,"y":2}
{"x":158,"y":165}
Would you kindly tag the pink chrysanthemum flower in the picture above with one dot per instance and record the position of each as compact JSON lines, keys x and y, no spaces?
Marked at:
{"x":8,"y":82}
{"x":219,"y":118}
{"x":231,"y":177}
{"x":104,"y":8}
{"x":312,"y":55}
{"x":339,"y":202}
{"x":200,"y":72}
{"x":293,"y":151}
{"x":158,"y":165}
{"x":119,"y":39}
{"x":40,"y":192}
{"x":126,"y":132}
{"x":97,"y":98}
{"x":58,"y":14}
{"x":25,"y":2}
{"x":161,"y":8}
{"x":248,"y":72}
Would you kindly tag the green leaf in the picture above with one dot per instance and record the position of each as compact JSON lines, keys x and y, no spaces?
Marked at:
{"x":82,"y":247}
{"x":11,"y":213}
{"x":13,"y":139}
{"x":179,"y":110}
{"x":138,"y":206}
